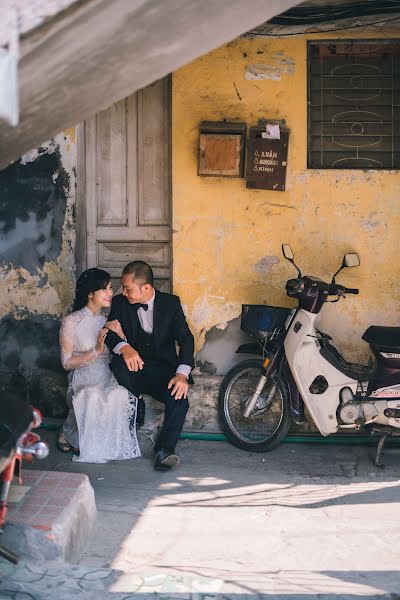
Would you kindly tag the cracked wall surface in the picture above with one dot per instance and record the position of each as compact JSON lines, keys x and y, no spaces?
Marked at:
{"x":37,"y":264}
{"x":227,"y":239}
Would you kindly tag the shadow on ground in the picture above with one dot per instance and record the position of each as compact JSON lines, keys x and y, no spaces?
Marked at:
{"x":302,"y":522}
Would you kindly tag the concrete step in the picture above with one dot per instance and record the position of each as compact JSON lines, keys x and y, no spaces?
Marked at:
{"x":51,"y":516}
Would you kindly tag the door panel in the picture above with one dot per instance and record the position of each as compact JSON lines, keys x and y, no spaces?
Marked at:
{"x":115,"y":254}
{"x":128,"y":189}
{"x":111,"y":166}
{"x":153,"y":154}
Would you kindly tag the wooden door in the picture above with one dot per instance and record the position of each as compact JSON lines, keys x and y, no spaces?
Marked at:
{"x":128,"y":184}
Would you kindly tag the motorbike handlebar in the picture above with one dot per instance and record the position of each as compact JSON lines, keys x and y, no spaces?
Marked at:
{"x":300,"y":286}
{"x":340,"y":289}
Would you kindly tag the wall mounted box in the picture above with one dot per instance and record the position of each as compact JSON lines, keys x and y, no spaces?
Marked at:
{"x":221,"y":149}
{"x":266,"y":159}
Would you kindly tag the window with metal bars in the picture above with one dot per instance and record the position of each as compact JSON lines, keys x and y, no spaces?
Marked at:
{"x":354,"y":104}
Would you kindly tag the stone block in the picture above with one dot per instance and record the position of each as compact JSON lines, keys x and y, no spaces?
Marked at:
{"x":54,"y":519}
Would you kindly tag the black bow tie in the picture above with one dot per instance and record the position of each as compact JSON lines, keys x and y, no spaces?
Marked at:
{"x":138,"y":305}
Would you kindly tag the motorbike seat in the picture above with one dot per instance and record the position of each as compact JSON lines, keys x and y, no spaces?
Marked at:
{"x":383,"y":338}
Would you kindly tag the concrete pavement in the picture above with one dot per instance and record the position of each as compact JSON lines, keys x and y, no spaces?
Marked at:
{"x":303,"y":522}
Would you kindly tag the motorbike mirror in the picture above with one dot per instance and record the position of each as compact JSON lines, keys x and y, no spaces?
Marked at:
{"x":287,"y":252}
{"x":351,"y":260}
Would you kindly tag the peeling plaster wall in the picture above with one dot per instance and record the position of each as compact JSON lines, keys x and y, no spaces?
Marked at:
{"x":227,"y":239}
{"x":37,"y":265}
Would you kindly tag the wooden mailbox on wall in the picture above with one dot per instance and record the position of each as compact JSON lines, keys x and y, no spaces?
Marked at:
{"x":221,"y":149}
{"x":266,"y":159}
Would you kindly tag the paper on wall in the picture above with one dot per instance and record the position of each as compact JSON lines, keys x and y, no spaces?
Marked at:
{"x":272,"y":132}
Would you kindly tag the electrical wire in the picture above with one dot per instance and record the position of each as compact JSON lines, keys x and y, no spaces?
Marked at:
{"x":307,"y":15}
{"x":362,"y":26}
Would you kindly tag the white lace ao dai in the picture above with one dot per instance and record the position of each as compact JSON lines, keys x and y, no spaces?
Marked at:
{"x":103,"y":408}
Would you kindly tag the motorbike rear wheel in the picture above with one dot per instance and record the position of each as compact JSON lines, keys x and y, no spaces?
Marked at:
{"x":269,"y":421}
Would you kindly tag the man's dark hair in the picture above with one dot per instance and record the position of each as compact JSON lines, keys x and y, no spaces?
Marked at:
{"x":140,"y":271}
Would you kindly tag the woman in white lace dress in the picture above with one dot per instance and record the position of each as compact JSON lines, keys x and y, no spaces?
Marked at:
{"x":105,"y":412}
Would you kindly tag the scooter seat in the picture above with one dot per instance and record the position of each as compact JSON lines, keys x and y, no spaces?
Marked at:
{"x":383,"y":338}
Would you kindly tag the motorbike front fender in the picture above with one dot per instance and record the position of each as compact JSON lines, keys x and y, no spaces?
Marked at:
{"x":254,"y":348}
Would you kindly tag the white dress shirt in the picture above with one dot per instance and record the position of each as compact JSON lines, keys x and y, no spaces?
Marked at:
{"x":146,"y":322}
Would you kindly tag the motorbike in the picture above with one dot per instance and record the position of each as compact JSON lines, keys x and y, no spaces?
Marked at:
{"x":17,"y":443}
{"x":298,"y":366}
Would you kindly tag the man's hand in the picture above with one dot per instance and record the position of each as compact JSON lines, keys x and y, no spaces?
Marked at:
{"x":132,"y":358}
{"x":179,"y":385}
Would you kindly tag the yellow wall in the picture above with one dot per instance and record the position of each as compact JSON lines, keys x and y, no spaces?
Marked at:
{"x":222,"y":230}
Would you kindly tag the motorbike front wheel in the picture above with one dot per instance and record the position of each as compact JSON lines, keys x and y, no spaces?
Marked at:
{"x":270,"y":419}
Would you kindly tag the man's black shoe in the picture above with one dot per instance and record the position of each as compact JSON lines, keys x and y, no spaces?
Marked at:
{"x":141,"y":411}
{"x":166,"y":460}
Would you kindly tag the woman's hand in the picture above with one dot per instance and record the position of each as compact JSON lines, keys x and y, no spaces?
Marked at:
{"x":115,"y":326}
{"x":100,"y":340}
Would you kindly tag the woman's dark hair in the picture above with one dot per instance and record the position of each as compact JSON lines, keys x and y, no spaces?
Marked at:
{"x":89,"y":282}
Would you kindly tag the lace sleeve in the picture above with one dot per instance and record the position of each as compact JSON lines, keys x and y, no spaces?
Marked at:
{"x":69,"y":360}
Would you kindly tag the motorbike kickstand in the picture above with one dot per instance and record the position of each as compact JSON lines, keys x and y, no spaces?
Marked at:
{"x":379,"y":451}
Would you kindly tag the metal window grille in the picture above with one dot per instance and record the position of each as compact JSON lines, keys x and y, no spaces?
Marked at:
{"x":354,"y":104}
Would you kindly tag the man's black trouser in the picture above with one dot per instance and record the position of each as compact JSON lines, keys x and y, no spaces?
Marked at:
{"x":153,"y":380}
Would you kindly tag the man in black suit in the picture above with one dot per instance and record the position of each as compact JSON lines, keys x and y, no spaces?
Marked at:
{"x":147,"y":361}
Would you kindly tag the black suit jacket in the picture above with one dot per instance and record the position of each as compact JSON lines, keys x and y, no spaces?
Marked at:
{"x":169,"y":326}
